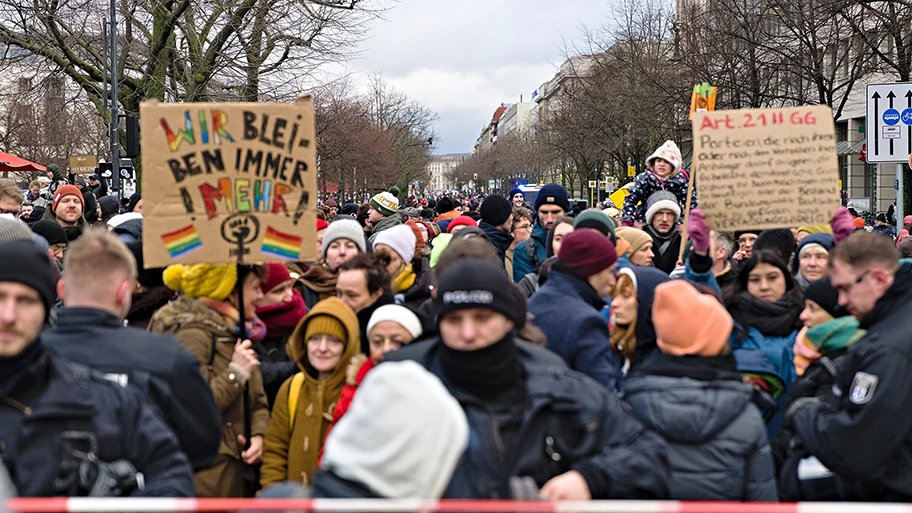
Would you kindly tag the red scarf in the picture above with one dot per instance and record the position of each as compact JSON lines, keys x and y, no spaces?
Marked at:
{"x":282,"y":319}
{"x":256,"y":329}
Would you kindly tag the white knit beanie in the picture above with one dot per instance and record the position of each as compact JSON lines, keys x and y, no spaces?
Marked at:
{"x":343,"y":228}
{"x":398,"y":314}
{"x":401,"y":239}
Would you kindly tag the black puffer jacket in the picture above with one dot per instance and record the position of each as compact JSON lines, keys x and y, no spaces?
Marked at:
{"x":716,"y":438}
{"x":71,"y":402}
{"x":569,"y":422}
{"x":156,"y":364}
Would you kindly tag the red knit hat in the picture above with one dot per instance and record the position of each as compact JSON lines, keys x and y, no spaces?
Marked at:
{"x":321,"y":224}
{"x":858,"y":222}
{"x":66,"y":190}
{"x":276,"y":274}
{"x":586,"y":252}
{"x":461,"y":221}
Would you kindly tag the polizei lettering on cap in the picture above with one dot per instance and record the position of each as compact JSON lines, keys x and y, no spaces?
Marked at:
{"x":476,"y":297}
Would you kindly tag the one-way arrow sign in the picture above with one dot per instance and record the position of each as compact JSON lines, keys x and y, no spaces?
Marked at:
{"x":888,"y":124}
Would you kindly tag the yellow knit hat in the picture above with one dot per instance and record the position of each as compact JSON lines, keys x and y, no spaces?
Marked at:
{"x":325,"y":324}
{"x":823,"y":228}
{"x":202,"y":280}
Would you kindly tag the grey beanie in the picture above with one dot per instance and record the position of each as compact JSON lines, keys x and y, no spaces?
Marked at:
{"x":12,"y":230}
{"x":342,"y":228}
{"x":661,"y":200}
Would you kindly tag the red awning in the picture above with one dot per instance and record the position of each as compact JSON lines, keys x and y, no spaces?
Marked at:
{"x":13,"y":163}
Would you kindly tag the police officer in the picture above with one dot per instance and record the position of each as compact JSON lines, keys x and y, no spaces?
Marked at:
{"x":865,"y":438}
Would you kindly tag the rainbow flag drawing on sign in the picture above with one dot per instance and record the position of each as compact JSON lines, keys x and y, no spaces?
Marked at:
{"x":182,"y":242}
{"x":282,"y":245}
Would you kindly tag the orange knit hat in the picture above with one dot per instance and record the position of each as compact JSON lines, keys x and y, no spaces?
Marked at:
{"x":859,"y":222}
{"x":688,"y":322}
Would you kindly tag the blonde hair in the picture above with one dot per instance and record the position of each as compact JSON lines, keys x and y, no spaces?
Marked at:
{"x":623,"y":338}
{"x":9,"y":189}
{"x":96,"y":249}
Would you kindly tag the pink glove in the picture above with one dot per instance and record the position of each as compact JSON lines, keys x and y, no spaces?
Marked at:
{"x":842,"y":224}
{"x":698,"y":231}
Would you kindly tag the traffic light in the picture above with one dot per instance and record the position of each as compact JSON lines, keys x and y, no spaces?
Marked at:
{"x":132,"y":146}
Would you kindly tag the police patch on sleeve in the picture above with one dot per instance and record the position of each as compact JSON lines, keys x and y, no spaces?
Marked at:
{"x":863,"y":386}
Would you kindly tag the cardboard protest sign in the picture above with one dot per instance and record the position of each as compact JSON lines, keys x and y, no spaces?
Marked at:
{"x":766,"y":168}
{"x":83,"y":164}
{"x":221,"y":176}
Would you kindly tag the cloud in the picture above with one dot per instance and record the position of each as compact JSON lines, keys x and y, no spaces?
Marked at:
{"x":463,"y":58}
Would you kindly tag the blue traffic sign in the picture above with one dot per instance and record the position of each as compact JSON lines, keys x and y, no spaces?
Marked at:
{"x":891,"y":117}
{"x":907,"y":116}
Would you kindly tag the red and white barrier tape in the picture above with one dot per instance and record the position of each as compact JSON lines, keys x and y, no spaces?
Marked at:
{"x":89,"y":505}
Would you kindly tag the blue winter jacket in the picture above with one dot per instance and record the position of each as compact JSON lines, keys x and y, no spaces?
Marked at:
{"x":521,"y":263}
{"x":566,"y":309}
{"x":779,"y":354}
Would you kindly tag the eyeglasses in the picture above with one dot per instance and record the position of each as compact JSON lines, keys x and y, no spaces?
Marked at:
{"x":861,"y":277}
{"x":527,"y":227}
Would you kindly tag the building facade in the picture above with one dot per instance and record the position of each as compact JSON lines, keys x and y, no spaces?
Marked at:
{"x":439,"y":169}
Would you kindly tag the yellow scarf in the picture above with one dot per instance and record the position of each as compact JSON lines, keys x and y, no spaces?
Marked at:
{"x":405,"y":280}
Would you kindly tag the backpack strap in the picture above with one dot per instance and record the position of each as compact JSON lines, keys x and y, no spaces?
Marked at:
{"x":294,"y":392}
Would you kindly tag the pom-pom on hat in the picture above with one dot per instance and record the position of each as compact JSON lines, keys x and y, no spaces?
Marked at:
{"x":202,"y":280}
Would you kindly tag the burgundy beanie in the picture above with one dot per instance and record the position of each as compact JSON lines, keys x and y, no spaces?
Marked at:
{"x":587,"y":252}
{"x":276,"y":274}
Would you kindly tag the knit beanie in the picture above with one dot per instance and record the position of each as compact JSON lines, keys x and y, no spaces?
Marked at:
{"x":325,"y":324}
{"x":400,"y":239}
{"x":419,"y":239}
{"x":668,"y":152}
{"x":446,"y":204}
{"x":824,"y":294}
{"x":858,"y":223}
{"x":66,"y":190}
{"x":823,"y":240}
{"x":202,"y":280}
{"x":398,"y":314}
{"x":688,"y":322}
{"x":660,"y":200}
{"x":779,"y":240}
{"x":496,"y":210}
{"x":321,"y":224}
{"x":276,"y":274}
{"x":344,"y":229}
{"x":24,"y":262}
{"x":587,"y":252}
{"x":51,"y":231}
{"x":514,"y":192}
{"x":552,"y":194}
{"x":634,"y":236}
{"x":134,"y":199}
{"x":474,"y":283}
{"x":597,"y":220}
{"x":461,"y":221}
{"x":385,"y":203}
{"x":823,"y":228}
{"x":12,"y":230}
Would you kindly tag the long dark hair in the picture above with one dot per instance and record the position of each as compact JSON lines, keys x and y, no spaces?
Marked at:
{"x":794,"y":295}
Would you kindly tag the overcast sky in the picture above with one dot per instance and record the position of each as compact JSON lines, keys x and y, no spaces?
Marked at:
{"x":462,"y":58}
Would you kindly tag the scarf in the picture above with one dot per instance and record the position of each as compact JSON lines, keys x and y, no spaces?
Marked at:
{"x":320,"y":279}
{"x":776,"y":319}
{"x":282,"y":319}
{"x":405,"y":280}
{"x":256,"y":329}
{"x":484,"y":373}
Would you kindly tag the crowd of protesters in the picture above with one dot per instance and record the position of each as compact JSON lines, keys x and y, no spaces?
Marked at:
{"x":459,"y":346}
